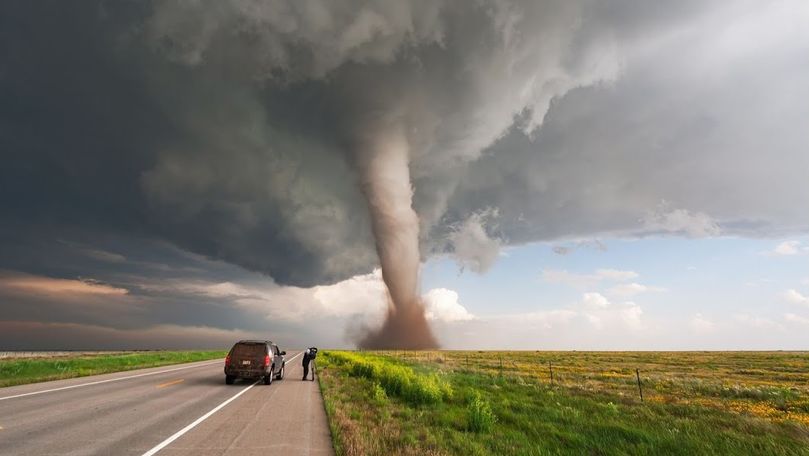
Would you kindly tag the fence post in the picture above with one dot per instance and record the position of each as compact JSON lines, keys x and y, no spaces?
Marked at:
{"x":640,"y":389}
{"x":550,"y":368}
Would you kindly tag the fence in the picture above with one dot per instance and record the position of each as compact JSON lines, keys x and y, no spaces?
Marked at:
{"x":777,"y":377}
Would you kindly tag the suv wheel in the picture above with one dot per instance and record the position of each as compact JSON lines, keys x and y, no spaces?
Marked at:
{"x":229,"y":379}
{"x":268,"y":378}
{"x":280,"y":375}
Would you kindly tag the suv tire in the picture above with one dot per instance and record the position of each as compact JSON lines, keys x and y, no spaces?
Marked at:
{"x":280,"y":375}
{"x":229,"y":379}
{"x":268,"y":378}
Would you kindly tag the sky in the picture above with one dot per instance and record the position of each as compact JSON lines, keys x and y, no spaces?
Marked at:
{"x":585,"y":175}
{"x":644,"y":294}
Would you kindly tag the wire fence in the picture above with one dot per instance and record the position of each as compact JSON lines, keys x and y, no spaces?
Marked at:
{"x":778,"y":378}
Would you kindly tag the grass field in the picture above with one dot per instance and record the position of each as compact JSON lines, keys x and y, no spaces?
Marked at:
{"x":18,"y":371}
{"x":481,"y":403}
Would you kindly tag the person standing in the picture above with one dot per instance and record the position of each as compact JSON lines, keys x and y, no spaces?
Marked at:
{"x":307,"y":357}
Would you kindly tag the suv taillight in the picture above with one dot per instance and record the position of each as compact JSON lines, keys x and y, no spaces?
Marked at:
{"x":266,"y":360}
{"x":227,"y":360}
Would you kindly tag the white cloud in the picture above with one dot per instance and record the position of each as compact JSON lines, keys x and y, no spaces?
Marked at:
{"x":792,"y":318}
{"x":442,"y":304}
{"x":473,"y":247}
{"x":568,"y":278}
{"x":594,"y":320}
{"x":594,"y":308}
{"x":617,"y":275}
{"x":795,"y":297}
{"x":362,"y":294}
{"x":631,"y":315}
{"x":680,"y":221}
{"x":586,"y":280}
{"x":600,"y":312}
{"x":546,"y":319}
{"x":594,"y":301}
{"x":789,"y":248}
{"x":631,"y":289}
{"x":701,"y":324}
{"x":755,"y":321}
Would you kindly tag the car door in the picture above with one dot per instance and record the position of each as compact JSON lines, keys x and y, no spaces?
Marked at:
{"x":277,"y":358}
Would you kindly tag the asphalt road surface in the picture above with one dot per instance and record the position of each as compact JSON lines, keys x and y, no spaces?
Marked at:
{"x":184,"y":409}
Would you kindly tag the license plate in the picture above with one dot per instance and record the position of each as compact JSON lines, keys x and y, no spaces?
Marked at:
{"x":246,"y":362}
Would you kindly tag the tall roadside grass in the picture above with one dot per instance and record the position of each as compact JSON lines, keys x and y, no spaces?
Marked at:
{"x":518,"y":411}
{"x":397,"y":380}
{"x":481,"y":417}
{"x":31,"y":370}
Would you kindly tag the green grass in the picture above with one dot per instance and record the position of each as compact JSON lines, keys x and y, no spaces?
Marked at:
{"x":31,"y":370}
{"x":395,"y":380}
{"x":693,"y":404}
{"x":481,"y":417}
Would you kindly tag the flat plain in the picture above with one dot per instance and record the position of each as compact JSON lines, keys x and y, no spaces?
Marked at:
{"x":31,"y":367}
{"x":533,"y":402}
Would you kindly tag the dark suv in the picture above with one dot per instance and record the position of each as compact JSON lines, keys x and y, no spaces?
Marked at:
{"x":254,"y":359}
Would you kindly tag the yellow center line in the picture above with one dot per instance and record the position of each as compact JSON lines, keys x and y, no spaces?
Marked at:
{"x":173,"y":382}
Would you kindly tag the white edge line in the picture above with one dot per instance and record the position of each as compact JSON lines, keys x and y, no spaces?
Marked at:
{"x":204,"y":417}
{"x":290,"y":359}
{"x":108,"y":380}
{"x":182,"y":431}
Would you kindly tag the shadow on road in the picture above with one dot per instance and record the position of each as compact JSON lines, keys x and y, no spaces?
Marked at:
{"x":220,"y":380}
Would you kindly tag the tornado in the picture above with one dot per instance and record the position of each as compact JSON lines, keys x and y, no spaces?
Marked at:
{"x":383,"y":162}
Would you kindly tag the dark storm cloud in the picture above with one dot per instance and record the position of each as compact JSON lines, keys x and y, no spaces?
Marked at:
{"x":99,"y":137}
{"x":682,"y":142}
{"x":133,"y":133}
{"x":118,"y":294}
{"x":156,"y":297}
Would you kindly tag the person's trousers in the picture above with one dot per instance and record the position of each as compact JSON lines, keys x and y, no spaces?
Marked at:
{"x":305,"y":369}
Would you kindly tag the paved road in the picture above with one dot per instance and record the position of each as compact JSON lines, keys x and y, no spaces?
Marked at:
{"x":165,"y":411}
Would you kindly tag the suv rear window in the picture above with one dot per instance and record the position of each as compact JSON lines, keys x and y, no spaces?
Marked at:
{"x":248,"y":350}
